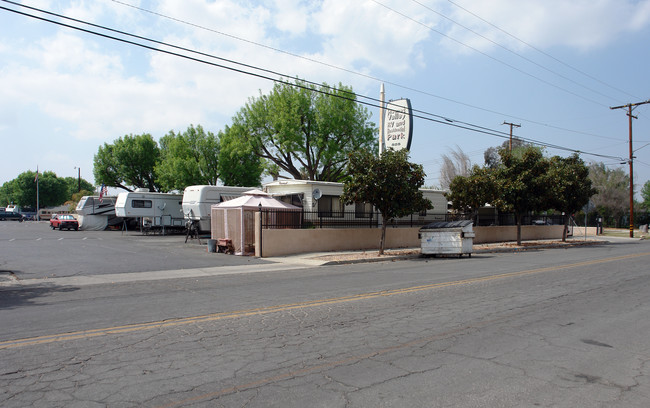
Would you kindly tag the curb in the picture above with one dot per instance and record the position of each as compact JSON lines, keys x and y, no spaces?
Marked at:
{"x":386,"y":258}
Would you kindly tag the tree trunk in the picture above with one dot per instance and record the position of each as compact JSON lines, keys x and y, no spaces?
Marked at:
{"x":382,"y":240}
{"x":519,"y":217}
{"x":566,"y":223}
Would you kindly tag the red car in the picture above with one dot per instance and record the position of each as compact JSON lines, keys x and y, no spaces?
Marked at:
{"x":64,"y":221}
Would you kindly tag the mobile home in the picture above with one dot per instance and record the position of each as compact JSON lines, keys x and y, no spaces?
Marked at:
{"x":324,"y":198}
{"x":197,"y":201}
{"x":95,"y":214}
{"x":155,"y":210}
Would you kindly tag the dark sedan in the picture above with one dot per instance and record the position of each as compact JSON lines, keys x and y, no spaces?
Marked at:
{"x":11,"y":216}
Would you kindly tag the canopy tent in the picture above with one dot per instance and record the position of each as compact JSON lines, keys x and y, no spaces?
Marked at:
{"x":235,"y":219}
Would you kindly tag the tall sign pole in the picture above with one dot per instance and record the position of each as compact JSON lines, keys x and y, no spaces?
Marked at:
{"x":382,"y":96}
{"x":38,"y":209}
{"x":630,"y":107}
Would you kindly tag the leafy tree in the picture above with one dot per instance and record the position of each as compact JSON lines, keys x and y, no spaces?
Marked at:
{"x":570,"y":186}
{"x":469,"y":193}
{"x":612,"y":200}
{"x":238,"y":163}
{"x":73,"y":184}
{"x":390,"y":183}
{"x":307,"y":131}
{"x":522,"y":183}
{"x":128,"y":162}
{"x":22,"y":190}
{"x":457,"y":163}
{"x":645,"y":194}
{"x":188,"y":158}
{"x":492,"y":157}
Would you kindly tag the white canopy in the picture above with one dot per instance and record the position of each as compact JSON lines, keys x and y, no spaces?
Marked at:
{"x":234,"y":219}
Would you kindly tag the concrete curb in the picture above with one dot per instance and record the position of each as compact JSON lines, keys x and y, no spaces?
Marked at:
{"x":495,"y":249}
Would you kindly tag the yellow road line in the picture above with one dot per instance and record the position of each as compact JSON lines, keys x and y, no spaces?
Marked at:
{"x":85,"y":334}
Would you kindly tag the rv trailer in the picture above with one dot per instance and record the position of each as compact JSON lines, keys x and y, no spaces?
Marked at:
{"x":197,"y":201}
{"x":153,"y":210}
{"x":95,"y":214}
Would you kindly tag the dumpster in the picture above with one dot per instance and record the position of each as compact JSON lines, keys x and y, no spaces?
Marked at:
{"x":447,"y":238}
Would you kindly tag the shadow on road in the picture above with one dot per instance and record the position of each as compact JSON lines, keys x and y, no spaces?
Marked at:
{"x":14,"y":297}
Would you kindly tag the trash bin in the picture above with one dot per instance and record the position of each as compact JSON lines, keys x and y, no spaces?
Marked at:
{"x":447,"y":238}
{"x":212,"y":245}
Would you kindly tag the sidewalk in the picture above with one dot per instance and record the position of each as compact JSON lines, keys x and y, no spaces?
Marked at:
{"x":361,"y":256}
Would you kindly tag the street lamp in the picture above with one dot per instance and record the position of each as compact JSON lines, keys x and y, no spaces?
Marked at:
{"x":78,"y":178}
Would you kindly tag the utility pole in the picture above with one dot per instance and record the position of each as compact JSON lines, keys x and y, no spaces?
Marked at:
{"x":630,"y":107}
{"x":511,"y":126}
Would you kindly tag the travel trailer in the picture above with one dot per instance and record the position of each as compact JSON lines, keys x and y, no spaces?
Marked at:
{"x":12,"y":208}
{"x":44,"y":214}
{"x":197,"y":201}
{"x":97,"y":215}
{"x":153,"y":210}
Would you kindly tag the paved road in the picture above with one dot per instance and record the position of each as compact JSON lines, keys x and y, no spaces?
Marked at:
{"x":558,"y":327}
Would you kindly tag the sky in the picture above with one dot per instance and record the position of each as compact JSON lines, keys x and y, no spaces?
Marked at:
{"x":555,"y":67}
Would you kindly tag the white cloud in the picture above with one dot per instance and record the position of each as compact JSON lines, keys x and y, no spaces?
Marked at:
{"x":368,"y":35}
{"x":291,"y":16}
{"x":578,"y":24}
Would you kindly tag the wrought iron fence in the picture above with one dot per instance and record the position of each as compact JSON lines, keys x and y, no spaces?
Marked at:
{"x":279,"y":218}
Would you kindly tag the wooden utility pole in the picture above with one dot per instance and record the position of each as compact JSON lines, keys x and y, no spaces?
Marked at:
{"x":630,"y":107}
{"x":511,"y":126}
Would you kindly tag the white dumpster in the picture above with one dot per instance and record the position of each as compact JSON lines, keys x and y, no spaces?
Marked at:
{"x":447,"y":238}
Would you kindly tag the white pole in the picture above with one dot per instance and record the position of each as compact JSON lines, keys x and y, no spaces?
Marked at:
{"x":382,"y":95}
{"x":38,"y":210}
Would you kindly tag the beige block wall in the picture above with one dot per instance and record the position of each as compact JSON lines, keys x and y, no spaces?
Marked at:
{"x":486,"y":235}
{"x":280,"y":242}
{"x":580,"y":232}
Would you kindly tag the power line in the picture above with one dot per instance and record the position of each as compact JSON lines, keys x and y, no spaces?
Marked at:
{"x":313,"y":60}
{"x":510,"y":50}
{"x":441,"y":120}
{"x":489,"y":56}
{"x":541,"y":51}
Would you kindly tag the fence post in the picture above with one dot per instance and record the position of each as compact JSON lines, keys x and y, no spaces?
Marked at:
{"x":258,"y":232}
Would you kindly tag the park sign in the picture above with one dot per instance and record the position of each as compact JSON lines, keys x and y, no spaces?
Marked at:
{"x":398,"y":125}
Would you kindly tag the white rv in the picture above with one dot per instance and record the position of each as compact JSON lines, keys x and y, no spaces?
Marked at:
{"x":155,"y":210}
{"x":197,"y":201}
{"x":95,"y":214}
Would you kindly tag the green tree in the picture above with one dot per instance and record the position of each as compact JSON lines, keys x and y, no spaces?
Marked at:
{"x":73,"y":184}
{"x":238,"y":163}
{"x":492,"y":157}
{"x":469,"y":193}
{"x":645,"y":194}
{"x":306,"y":131}
{"x":522,"y":183}
{"x":390,"y":183}
{"x":612,"y":200}
{"x":22,"y":190}
{"x":128,"y":163}
{"x":570,"y":186}
{"x":188,"y":158}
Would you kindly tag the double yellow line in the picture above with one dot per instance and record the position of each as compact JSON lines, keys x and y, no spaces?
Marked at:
{"x":161,"y":324}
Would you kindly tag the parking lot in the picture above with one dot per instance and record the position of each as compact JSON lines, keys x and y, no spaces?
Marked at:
{"x":31,"y":250}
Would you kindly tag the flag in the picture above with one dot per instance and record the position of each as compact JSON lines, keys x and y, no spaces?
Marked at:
{"x":102,"y":192}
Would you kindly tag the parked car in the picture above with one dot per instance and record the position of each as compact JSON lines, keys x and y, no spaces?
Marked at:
{"x":64,"y":221}
{"x":11,"y":216}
